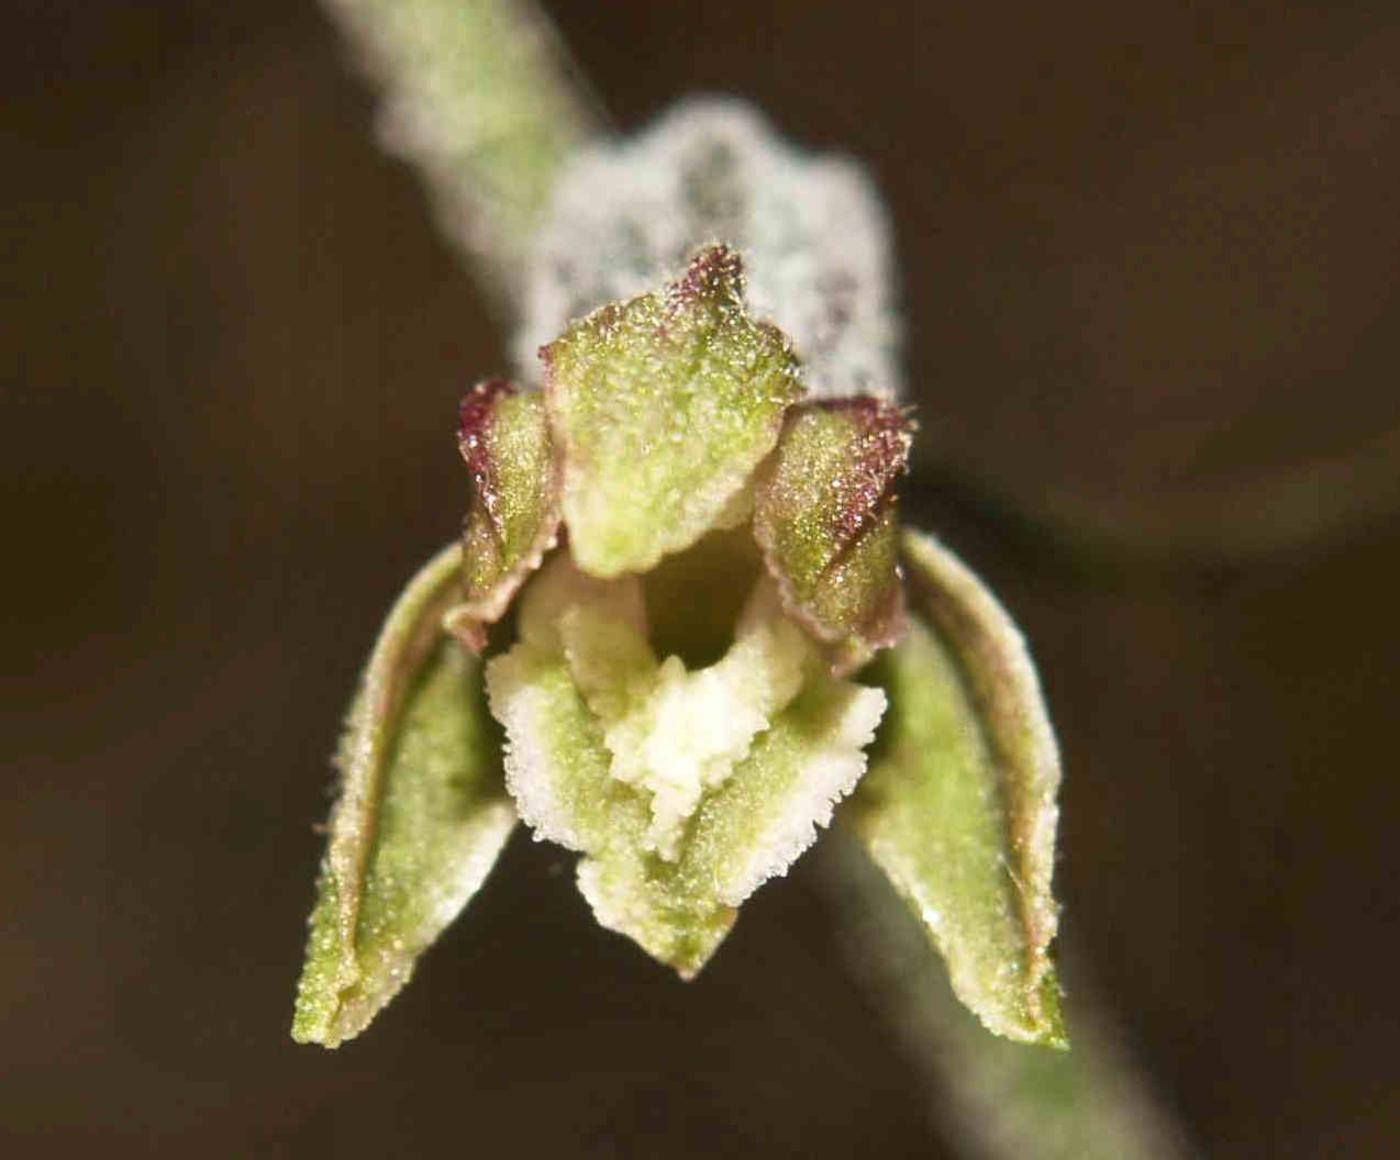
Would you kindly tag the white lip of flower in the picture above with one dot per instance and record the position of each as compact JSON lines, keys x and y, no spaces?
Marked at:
{"x":684,"y":790}
{"x":671,"y":731}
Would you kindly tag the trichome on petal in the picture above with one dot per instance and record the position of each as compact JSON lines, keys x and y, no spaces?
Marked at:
{"x":662,"y":407}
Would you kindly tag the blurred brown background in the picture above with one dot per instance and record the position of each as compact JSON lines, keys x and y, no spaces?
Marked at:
{"x":1152,"y":269}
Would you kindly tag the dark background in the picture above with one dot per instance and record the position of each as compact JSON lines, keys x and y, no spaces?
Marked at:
{"x":1152,"y":270}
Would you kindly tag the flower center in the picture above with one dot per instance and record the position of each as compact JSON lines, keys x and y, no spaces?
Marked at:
{"x":672,"y":731}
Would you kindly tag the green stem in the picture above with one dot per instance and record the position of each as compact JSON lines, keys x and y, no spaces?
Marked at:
{"x":998,"y":1100}
{"x":480,"y":97}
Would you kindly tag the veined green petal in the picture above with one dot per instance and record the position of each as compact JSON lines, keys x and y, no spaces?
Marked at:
{"x":664,"y":405}
{"x":514,"y":514}
{"x":684,"y":790}
{"x":421,"y":818}
{"x":959,"y":807}
{"x":824,"y":514}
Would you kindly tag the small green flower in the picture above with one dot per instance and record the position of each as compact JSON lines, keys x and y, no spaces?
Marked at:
{"x":683,"y":596}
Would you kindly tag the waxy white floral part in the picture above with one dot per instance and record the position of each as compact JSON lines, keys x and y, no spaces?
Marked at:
{"x":684,"y":789}
{"x":673,"y":732}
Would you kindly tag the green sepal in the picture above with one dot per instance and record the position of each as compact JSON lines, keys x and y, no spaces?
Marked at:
{"x":959,"y":807}
{"x":513,"y":520}
{"x":421,"y":817}
{"x":663,"y":406}
{"x":824,"y":515}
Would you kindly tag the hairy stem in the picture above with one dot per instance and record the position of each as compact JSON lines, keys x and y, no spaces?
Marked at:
{"x":995,"y":1099}
{"x":480,"y":97}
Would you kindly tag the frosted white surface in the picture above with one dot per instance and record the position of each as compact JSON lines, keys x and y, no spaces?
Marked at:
{"x":677,"y":733}
{"x":811,"y":229}
{"x":828,"y":775}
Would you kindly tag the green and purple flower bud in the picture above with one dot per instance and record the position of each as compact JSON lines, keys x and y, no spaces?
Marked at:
{"x":681,"y":591}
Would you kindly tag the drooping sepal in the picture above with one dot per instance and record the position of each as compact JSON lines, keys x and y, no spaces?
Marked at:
{"x":959,"y":808}
{"x":503,"y":434}
{"x":664,"y":405}
{"x":684,"y":790}
{"x":421,"y":817}
{"x":825,"y":517}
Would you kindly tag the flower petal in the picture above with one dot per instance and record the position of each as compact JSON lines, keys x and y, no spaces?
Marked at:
{"x":514,"y":515}
{"x":421,"y":817}
{"x":768,"y":812}
{"x":676,"y":733}
{"x":680,"y":811}
{"x":749,"y":830}
{"x":824,"y":514}
{"x":959,"y":807}
{"x":664,"y":406}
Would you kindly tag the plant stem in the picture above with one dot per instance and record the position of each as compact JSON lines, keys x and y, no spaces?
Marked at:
{"x":996,"y":1099}
{"x":481,"y":98}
